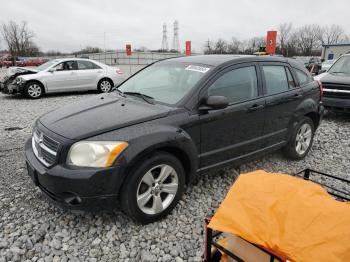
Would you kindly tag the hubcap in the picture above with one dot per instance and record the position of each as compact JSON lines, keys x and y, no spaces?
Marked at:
{"x":157,"y":189}
{"x":105,"y":86}
{"x":34,"y":90}
{"x":303,"y":139}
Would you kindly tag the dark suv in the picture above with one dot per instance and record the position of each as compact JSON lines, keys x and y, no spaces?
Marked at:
{"x":172,"y":120}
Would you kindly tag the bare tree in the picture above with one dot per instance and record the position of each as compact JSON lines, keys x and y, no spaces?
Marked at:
{"x":220,"y":47}
{"x":309,"y":38}
{"x":332,"y":34}
{"x":234,"y":46}
{"x":284,"y":31}
{"x":18,"y":39}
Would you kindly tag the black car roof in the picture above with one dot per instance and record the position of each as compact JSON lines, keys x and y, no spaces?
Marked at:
{"x":216,"y":60}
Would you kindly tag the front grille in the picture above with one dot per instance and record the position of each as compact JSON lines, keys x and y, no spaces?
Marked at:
{"x":45,"y":148}
{"x":334,"y":90}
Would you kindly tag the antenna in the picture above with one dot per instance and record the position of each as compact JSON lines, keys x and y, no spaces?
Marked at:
{"x":176,"y":42}
{"x":165,"y":39}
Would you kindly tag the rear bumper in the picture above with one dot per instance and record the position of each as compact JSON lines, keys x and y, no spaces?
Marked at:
{"x":337,"y":104}
{"x":77,"y":189}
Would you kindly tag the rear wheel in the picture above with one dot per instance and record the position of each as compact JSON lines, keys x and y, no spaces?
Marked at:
{"x":153,"y":188}
{"x":301,"y":139}
{"x":105,"y":86}
{"x":34,"y":90}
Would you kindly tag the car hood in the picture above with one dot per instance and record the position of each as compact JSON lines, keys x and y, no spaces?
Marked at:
{"x":100,"y":114}
{"x":13,"y":72}
{"x":334,"y":78}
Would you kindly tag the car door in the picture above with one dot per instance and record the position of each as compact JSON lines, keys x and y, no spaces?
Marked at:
{"x":88,"y":74}
{"x":282,"y":99}
{"x":234,"y":132}
{"x":64,"y":78}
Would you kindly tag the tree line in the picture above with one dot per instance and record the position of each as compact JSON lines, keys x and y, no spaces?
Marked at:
{"x":302,"y":41}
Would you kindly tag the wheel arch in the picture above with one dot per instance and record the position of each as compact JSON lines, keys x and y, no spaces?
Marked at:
{"x":105,"y":78}
{"x":34,"y":81}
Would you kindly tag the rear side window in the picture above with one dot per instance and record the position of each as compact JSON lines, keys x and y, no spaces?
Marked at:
{"x":276,"y":79}
{"x":85,"y":65}
{"x":237,"y":85}
{"x":302,"y":76}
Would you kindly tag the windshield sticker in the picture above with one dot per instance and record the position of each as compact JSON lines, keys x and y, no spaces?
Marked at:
{"x":196,"y":68}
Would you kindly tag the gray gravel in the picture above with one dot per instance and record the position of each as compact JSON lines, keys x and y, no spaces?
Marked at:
{"x":33,"y":230}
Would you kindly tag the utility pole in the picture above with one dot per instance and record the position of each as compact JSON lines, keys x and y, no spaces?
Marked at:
{"x":165,"y":39}
{"x":104,"y":41}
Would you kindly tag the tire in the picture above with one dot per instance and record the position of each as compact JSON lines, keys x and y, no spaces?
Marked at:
{"x":301,"y":140}
{"x":104,"y":85}
{"x":34,"y":90}
{"x":144,"y":183}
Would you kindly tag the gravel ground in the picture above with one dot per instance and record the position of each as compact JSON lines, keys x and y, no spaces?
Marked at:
{"x":33,"y":230}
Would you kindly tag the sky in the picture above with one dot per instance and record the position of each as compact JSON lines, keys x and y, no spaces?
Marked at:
{"x":69,"y":25}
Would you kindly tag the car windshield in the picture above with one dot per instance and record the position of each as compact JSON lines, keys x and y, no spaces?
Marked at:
{"x":341,"y":66}
{"x":46,"y":65}
{"x":166,"y":82}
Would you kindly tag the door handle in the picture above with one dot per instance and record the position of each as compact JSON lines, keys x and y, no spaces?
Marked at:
{"x":255,"y":107}
{"x":297,"y":95}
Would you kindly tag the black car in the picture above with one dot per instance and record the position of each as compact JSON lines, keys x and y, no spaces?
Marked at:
{"x":171,"y":121}
{"x":336,"y":85}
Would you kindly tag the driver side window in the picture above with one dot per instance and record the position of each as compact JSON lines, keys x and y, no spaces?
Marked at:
{"x":66,"y":66}
{"x":237,"y":85}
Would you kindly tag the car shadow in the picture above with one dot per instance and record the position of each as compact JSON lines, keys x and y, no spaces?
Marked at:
{"x":53,"y":95}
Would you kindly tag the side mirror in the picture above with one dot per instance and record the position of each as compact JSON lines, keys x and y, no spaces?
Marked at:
{"x":214,"y":103}
{"x":52,"y":69}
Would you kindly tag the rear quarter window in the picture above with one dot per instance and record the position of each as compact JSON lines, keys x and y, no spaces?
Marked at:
{"x":303,"y":77}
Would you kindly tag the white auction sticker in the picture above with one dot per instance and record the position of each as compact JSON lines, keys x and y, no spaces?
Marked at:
{"x":196,"y":68}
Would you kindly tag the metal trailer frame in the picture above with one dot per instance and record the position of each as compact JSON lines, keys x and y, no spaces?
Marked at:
{"x":211,"y":235}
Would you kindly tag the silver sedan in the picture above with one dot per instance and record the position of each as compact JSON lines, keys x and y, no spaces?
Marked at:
{"x":65,"y":75}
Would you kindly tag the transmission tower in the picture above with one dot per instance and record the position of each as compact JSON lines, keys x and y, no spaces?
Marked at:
{"x":165,"y":39}
{"x":176,"y":42}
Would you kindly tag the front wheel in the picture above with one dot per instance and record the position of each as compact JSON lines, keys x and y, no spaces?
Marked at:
{"x":34,"y":90}
{"x":104,"y":86}
{"x":301,"y":140}
{"x":153,"y":188}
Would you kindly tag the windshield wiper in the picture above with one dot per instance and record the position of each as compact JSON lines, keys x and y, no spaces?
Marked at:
{"x":143,"y":96}
{"x":120,"y":92}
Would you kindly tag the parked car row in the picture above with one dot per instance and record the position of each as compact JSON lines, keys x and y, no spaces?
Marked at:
{"x":172,"y":120}
{"x":9,"y":61}
{"x":62,"y":75}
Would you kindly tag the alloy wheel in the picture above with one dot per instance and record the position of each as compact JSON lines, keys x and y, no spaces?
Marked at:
{"x":303,"y":139}
{"x":157,"y":189}
{"x":34,"y":90}
{"x":105,"y":86}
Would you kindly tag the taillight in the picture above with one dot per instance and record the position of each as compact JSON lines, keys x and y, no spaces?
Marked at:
{"x":321,"y":88}
{"x":118,"y":71}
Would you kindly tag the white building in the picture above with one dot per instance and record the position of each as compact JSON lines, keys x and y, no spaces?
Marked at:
{"x":330,"y":52}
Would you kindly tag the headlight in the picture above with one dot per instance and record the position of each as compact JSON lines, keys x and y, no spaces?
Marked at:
{"x":19,"y":80}
{"x":95,"y":153}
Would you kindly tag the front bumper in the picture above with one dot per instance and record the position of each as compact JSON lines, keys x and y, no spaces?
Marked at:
{"x":78,"y":189}
{"x":11,"y":88}
{"x":337,"y":104}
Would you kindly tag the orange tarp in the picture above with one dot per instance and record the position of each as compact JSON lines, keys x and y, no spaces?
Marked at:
{"x":295,"y":219}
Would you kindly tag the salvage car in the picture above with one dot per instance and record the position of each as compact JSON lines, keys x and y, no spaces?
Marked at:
{"x":66,"y":75}
{"x":174,"y":119}
{"x":336,"y":85}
